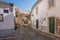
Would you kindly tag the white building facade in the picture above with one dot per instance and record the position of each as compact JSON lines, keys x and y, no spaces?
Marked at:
{"x":45,"y":16}
{"x":6,"y":17}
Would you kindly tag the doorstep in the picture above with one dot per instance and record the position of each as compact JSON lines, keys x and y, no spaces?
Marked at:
{"x":47,"y":34}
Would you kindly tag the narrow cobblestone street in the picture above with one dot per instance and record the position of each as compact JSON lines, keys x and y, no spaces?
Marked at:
{"x":28,"y":34}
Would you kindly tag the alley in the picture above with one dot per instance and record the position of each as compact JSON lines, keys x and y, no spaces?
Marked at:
{"x":29,"y":34}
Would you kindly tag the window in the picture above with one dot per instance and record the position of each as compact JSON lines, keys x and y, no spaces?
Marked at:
{"x":36,"y":10}
{"x":16,"y":15}
{"x":6,"y":11}
{"x":1,"y":17}
{"x":51,"y":3}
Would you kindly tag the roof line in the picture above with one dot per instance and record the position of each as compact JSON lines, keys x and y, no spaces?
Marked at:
{"x":37,"y":2}
{"x":7,"y":3}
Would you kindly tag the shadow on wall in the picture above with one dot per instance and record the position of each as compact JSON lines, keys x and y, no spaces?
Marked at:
{"x":7,"y":26}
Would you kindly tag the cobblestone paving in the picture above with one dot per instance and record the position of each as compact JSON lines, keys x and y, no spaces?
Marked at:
{"x":28,"y":34}
{"x":25,"y":33}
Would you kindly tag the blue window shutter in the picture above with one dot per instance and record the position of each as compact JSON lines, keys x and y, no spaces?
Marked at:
{"x":6,"y":11}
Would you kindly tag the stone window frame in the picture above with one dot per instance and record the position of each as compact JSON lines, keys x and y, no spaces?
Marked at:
{"x":51,"y":3}
{"x":53,"y":6}
{"x":36,"y":10}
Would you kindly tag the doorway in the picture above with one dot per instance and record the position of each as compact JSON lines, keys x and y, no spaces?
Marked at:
{"x":51,"y":24}
{"x":37,"y":23}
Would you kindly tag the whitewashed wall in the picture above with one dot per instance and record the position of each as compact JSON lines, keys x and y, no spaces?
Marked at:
{"x":8,"y":20}
{"x":42,"y":8}
{"x":44,"y":12}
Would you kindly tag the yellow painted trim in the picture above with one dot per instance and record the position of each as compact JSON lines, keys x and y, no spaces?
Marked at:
{"x":55,"y":25}
{"x":48,"y":26}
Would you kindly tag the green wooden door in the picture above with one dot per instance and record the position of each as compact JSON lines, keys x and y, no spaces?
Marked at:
{"x":51,"y":25}
{"x":36,"y":23}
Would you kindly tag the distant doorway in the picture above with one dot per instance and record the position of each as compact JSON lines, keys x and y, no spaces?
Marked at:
{"x":37,"y":23}
{"x":51,"y":25}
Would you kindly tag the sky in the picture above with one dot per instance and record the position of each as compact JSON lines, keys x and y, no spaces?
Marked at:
{"x":22,"y":4}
